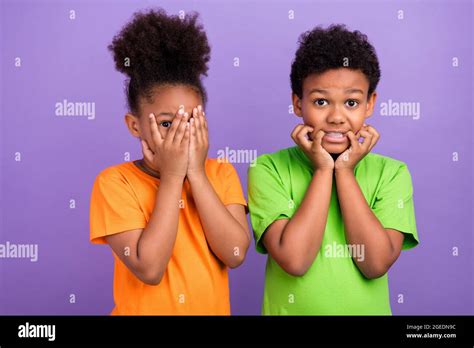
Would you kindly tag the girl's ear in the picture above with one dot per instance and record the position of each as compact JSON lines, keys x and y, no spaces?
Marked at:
{"x":132,"y":124}
{"x":371,"y":104}
{"x":296,"y":105}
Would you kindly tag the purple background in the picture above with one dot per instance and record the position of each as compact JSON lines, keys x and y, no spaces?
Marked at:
{"x":248,"y":109}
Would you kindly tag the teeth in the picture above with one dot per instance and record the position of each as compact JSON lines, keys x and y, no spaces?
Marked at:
{"x":335,"y":134}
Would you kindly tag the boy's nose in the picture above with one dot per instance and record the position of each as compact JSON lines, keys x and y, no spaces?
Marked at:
{"x":336,"y":118}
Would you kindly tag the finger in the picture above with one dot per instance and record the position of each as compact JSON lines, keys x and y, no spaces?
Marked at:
{"x":375,"y":138}
{"x":353,"y":139}
{"x":155,"y":133}
{"x":198,"y":125}
{"x":306,"y":132}
{"x":302,"y":136}
{"x":147,"y":152}
{"x":363,"y":127}
{"x":367,"y":139}
{"x":178,"y":138}
{"x":175,"y":124}
{"x":185,"y":141}
{"x":201,"y":111}
{"x":372,"y":130}
{"x":295,"y":131}
{"x":205,"y":136}
{"x":204,"y":123}
{"x":192,"y":132}
{"x":318,"y":138}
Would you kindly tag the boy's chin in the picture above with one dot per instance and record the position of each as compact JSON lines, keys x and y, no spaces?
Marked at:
{"x":335,"y":149}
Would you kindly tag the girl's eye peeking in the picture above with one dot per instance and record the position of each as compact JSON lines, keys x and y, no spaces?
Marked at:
{"x":165,"y":124}
{"x":352,"y":103}
{"x":320,"y":102}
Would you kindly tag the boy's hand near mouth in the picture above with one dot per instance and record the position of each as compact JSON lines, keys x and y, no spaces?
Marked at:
{"x":349,"y":158}
{"x":320,"y":158}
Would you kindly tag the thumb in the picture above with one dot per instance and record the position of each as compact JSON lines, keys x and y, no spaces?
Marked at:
{"x":191,"y":133}
{"x":319,"y":138}
{"x":147,"y":153}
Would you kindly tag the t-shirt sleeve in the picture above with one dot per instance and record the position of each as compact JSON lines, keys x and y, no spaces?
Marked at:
{"x":113,"y":208}
{"x":233,"y":193}
{"x":394,"y":206}
{"x":268,"y":199}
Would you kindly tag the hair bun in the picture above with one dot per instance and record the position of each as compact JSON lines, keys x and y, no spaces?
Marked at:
{"x":155,"y":47}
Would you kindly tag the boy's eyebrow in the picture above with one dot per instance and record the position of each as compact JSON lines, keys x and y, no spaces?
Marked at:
{"x":166,"y":114}
{"x":354,"y":90}
{"x":318,"y":90}
{"x":323,"y":91}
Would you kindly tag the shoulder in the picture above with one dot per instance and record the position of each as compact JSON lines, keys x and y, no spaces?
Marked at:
{"x":385,"y":169}
{"x":280,"y":158}
{"x":219,"y":168}
{"x":116,"y":172}
{"x":374,"y":161}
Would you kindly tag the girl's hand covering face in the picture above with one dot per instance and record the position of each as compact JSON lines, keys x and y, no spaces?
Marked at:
{"x":169,"y":155}
{"x":199,"y":142}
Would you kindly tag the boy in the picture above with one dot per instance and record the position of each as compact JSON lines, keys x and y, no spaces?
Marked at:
{"x":332,"y":216}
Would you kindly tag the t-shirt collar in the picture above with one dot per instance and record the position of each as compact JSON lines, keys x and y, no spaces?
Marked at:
{"x":304,"y":159}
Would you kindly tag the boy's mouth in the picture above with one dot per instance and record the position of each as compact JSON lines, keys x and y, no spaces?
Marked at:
{"x":336,"y":137}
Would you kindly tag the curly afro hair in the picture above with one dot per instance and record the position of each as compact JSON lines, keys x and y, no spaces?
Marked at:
{"x":155,"y":49}
{"x":332,"y":48}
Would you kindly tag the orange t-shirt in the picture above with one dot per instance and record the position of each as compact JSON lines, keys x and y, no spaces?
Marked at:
{"x":195,"y":281}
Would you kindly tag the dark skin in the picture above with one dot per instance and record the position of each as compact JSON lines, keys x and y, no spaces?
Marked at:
{"x":336,"y":100}
{"x":173,"y":133}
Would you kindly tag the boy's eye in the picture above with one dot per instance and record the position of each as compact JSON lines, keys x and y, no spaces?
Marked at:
{"x":165,"y":124}
{"x":320,"y":102}
{"x":352,"y":103}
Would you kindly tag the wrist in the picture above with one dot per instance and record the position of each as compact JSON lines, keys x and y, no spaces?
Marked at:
{"x":344,"y":171}
{"x":195,"y":176}
{"x":172,"y":178}
{"x":324,"y":170}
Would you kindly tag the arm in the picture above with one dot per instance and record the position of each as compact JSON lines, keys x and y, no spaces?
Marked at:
{"x":225,"y":227}
{"x":295,"y":243}
{"x":146,"y":252}
{"x":381,"y":246}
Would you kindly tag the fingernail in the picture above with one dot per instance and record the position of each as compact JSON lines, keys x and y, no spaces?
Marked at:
{"x":151,"y":115}
{"x":199,"y":107}
{"x":181,"y":111}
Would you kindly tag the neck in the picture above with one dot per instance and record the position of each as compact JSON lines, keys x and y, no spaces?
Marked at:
{"x":144,"y":166}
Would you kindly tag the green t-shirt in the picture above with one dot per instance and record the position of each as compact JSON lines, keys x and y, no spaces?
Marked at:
{"x":333,"y":285}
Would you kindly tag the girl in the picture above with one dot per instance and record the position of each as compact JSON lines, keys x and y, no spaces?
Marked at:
{"x":174,"y":219}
